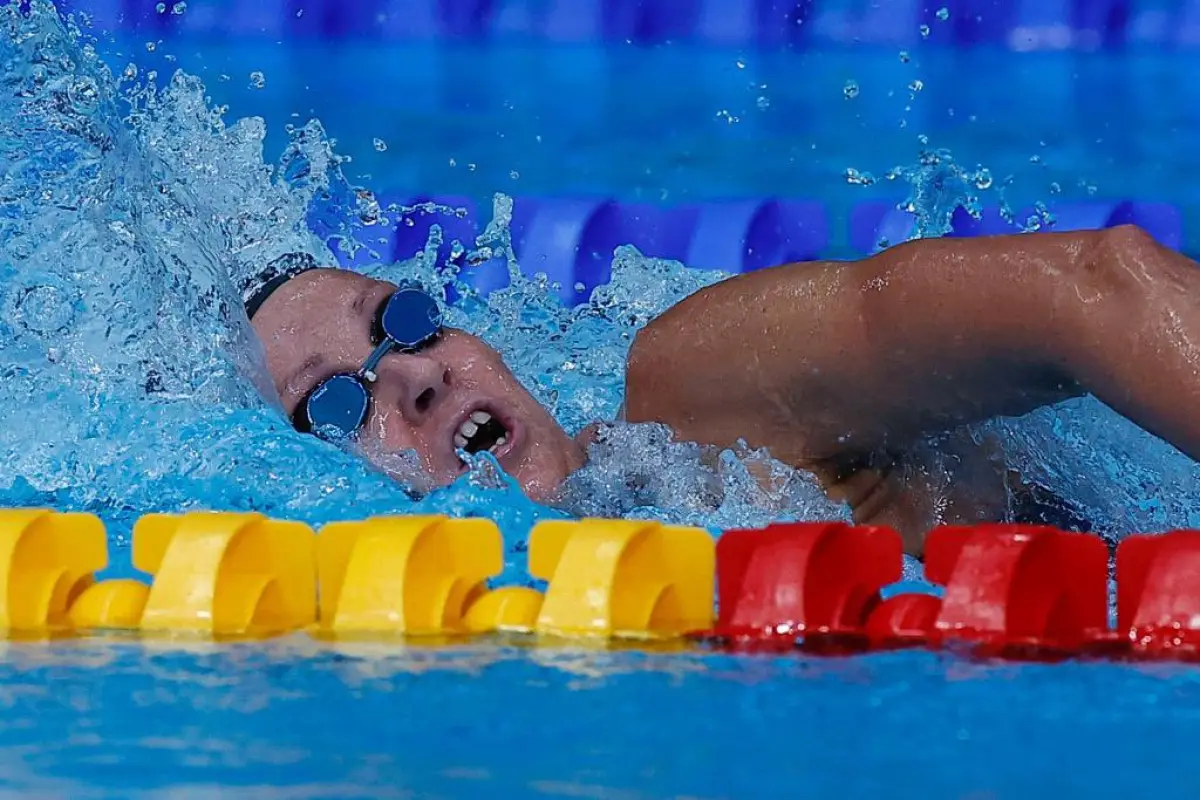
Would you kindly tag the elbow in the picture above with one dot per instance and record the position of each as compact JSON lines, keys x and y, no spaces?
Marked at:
{"x":1111,"y":266}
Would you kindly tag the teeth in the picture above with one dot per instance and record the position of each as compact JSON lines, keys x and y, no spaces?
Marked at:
{"x":470,"y":427}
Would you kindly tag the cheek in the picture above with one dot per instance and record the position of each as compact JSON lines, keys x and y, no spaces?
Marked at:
{"x":483,"y":369}
{"x":392,"y":432}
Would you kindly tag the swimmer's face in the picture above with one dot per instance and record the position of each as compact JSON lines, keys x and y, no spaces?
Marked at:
{"x":321,"y":322}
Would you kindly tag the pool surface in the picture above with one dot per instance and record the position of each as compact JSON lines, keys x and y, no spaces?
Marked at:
{"x":294,"y":720}
{"x":131,"y":205}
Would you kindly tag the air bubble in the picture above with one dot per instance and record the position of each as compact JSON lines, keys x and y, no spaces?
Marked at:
{"x":850,"y":90}
{"x":257,"y":80}
{"x":943,"y":13}
{"x":380,"y":145}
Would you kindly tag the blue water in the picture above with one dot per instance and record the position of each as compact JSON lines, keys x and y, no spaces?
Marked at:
{"x":293,"y":721}
{"x":675,"y":124}
{"x":129,"y":205}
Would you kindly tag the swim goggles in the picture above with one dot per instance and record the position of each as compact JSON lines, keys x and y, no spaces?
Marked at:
{"x":337,"y":408}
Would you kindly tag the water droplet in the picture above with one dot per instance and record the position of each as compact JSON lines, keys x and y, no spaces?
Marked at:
{"x":850,"y":90}
{"x":179,"y":8}
{"x":380,"y":145}
{"x":905,"y":57}
{"x":856,"y":178}
{"x":924,"y":31}
{"x":257,"y":80}
{"x":84,"y":94}
{"x":943,"y":13}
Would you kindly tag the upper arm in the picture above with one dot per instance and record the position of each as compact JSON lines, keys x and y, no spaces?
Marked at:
{"x":765,"y":356}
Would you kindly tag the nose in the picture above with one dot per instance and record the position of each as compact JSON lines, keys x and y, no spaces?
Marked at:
{"x":419,"y":381}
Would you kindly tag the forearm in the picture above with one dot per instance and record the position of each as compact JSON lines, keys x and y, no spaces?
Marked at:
{"x":1135,"y":340}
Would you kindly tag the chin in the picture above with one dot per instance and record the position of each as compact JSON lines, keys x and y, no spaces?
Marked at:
{"x":543,"y":482}
{"x":541,"y":486}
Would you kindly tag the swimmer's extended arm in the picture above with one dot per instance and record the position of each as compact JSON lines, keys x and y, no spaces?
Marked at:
{"x":830,"y":362}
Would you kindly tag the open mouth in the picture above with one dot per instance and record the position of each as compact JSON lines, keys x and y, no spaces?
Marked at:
{"x":482,"y":431}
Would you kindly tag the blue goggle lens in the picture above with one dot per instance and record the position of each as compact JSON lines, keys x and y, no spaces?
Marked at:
{"x":410,"y":318}
{"x":338,"y":406}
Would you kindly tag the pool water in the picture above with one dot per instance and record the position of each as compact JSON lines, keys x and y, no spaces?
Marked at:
{"x":131,"y":207}
{"x":291,"y":720}
{"x":676,"y":124}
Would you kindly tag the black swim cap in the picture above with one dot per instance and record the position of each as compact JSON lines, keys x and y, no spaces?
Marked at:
{"x":257,"y":289}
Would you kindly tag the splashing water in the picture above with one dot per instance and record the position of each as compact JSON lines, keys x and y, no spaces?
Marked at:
{"x":131,"y":213}
{"x":133,"y":382}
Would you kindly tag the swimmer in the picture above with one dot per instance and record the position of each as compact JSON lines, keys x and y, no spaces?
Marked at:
{"x":838,"y":368}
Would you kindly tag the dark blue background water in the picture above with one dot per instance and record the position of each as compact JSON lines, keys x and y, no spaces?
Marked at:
{"x":678,"y":123}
